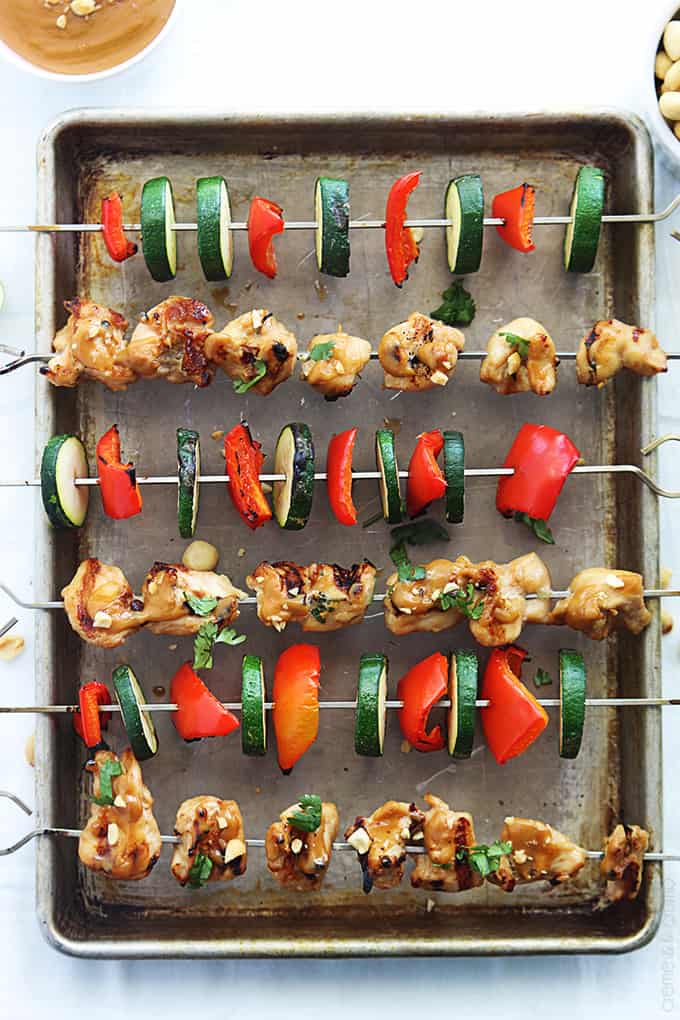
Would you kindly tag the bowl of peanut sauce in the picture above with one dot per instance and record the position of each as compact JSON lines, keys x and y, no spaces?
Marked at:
{"x":81,"y":40}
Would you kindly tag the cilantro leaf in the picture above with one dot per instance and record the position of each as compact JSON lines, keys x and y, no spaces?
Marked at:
{"x":420,"y":532}
{"x":484,"y":858}
{"x":542,"y":678}
{"x":207,"y":637}
{"x":322,"y":606}
{"x":405,"y":569}
{"x":463,"y":599}
{"x":200,"y":606}
{"x":241,"y":386}
{"x":520,"y":342}
{"x":457,"y":307}
{"x":537,"y":525}
{"x":228,"y":636}
{"x":200,"y":871}
{"x":320,"y":352}
{"x":308,"y":818}
{"x":107,"y":770}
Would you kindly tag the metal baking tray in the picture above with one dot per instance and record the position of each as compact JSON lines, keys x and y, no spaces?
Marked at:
{"x":84,"y":155}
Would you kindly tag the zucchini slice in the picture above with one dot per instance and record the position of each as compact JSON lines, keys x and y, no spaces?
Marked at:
{"x":371,"y":714}
{"x":572,"y":702}
{"x":138,"y":723}
{"x":464,"y":206}
{"x":582,"y":235}
{"x":390,"y":491}
{"x":294,"y":458}
{"x":213,"y":235}
{"x":63,"y":460}
{"x":463,"y":673}
{"x":159,"y":240}
{"x":454,"y":473}
{"x":188,"y":471}
{"x":331,"y":203}
{"x":253,"y":719}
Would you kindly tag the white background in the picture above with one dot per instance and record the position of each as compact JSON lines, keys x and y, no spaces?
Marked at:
{"x":309,"y":56}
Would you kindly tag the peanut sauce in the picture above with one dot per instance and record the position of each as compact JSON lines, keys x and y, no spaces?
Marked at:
{"x":49,"y":34}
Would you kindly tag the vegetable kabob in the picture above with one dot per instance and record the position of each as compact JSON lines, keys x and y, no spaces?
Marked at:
{"x":530,"y":479}
{"x":121,"y":840}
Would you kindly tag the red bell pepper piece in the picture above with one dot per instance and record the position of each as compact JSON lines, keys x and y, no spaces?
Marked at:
{"x":117,"y":244}
{"x":243,"y":459}
{"x":426,"y":481}
{"x":400,"y":245}
{"x":264,"y":221}
{"x":89,"y":721}
{"x":420,"y":689}
{"x":516,"y":208}
{"x":296,"y":703}
{"x":542,"y":458}
{"x":121,"y":496}
{"x":199,"y":713}
{"x":339,"y":476}
{"x":513,"y":719}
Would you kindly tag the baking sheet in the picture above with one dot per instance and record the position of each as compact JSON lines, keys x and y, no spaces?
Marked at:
{"x":87,"y":154}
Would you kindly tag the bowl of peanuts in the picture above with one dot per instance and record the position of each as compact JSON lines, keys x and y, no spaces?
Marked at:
{"x":665,"y":111}
{"x":81,"y":40}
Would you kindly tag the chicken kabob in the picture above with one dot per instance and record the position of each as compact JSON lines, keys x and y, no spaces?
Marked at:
{"x":175,"y":341}
{"x":530,"y":480}
{"x":121,"y":840}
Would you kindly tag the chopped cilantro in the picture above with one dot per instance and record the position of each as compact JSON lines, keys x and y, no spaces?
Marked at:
{"x":537,"y":525}
{"x":542,"y":678}
{"x":241,"y":386}
{"x":107,"y":770}
{"x":200,"y":606}
{"x":463,"y":599}
{"x":457,"y":307}
{"x":207,"y":637}
{"x":520,"y":342}
{"x":320,"y":352}
{"x":484,"y":858}
{"x":308,"y":818}
{"x":405,"y":569}
{"x":200,"y":871}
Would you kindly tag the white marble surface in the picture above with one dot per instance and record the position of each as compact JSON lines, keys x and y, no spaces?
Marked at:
{"x":305,"y":56}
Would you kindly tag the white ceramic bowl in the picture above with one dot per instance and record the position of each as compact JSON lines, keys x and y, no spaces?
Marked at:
{"x":41,"y":72}
{"x":668,"y":146}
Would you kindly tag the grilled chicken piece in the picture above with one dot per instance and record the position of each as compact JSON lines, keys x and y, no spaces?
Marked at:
{"x":612,"y":345}
{"x":601,"y":601}
{"x":320,"y":597}
{"x":165,"y":591}
{"x":297,"y":859}
{"x":91,"y":344}
{"x":213,"y":828}
{"x":622,"y":863}
{"x":412,"y":606}
{"x":539,"y":853}
{"x":121,"y":839}
{"x":101,"y":606}
{"x":508,"y":370}
{"x":380,"y":841}
{"x":336,"y":375}
{"x":170,"y":342}
{"x":445,"y":832}
{"x":254,"y":336}
{"x":419,"y":353}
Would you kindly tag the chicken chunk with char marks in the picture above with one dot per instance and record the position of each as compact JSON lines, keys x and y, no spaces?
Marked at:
{"x":320,"y":597}
{"x":520,"y":368}
{"x":254,"y":337}
{"x":446,"y":833}
{"x":420,"y":353}
{"x":336,"y":374}
{"x":121,"y":839}
{"x":100,"y":604}
{"x":539,"y":853}
{"x":602,"y":600}
{"x":381,"y":840}
{"x":611,"y":345}
{"x":298,"y":859}
{"x":501,"y":588}
{"x":165,"y":591}
{"x":213,"y":828}
{"x":169,"y":342}
{"x":622,"y":864}
{"x":91,"y":345}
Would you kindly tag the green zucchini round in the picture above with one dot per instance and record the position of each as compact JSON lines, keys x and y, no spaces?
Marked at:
{"x":213,"y":235}
{"x":371,"y":713}
{"x":463,"y":678}
{"x":572,"y":702}
{"x":138,"y":723}
{"x":159,"y":239}
{"x":390,"y":489}
{"x":582,"y":236}
{"x":331,"y":202}
{"x":464,"y":207}
{"x":253,"y":717}
{"x":294,"y":458}
{"x":63,"y":460}
{"x":188,"y":471}
{"x":454,"y":473}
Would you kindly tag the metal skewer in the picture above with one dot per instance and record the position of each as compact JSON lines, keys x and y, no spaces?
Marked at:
{"x":50,"y":830}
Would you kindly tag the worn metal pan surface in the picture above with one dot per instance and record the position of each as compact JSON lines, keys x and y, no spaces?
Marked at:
{"x":86,"y":154}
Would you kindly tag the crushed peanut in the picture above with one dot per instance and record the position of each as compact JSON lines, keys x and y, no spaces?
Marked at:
{"x":83,"y":7}
{"x":61,"y":21}
{"x":11,"y":645}
{"x":666,"y":622}
{"x":112,"y":834}
{"x":29,"y":750}
{"x":666,"y":577}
